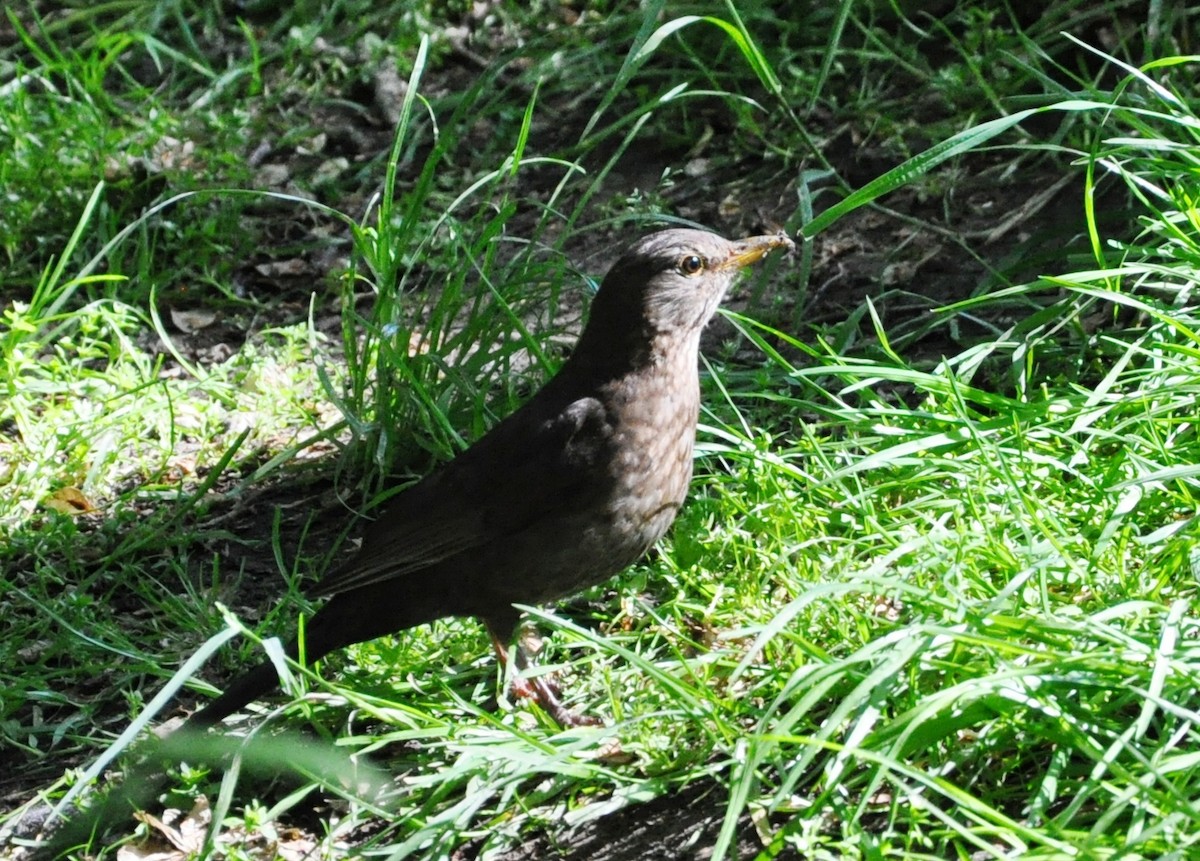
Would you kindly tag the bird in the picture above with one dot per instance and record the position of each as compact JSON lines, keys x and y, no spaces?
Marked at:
{"x":567,"y":491}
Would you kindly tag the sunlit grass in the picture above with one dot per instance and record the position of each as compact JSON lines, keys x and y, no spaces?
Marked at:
{"x":918,"y":606}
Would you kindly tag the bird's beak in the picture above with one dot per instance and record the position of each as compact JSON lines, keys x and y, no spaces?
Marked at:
{"x":747,"y":252}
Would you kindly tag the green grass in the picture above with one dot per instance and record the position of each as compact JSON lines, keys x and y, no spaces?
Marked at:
{"x":922,"y":603}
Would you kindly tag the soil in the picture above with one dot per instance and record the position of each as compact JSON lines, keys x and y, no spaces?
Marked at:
{"x":679,"y":827}
{"x":910,"y":255}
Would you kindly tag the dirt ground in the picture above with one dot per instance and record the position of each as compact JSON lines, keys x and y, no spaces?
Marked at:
{"x":917,"y":251}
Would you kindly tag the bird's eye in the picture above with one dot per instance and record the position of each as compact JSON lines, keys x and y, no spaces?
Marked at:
{"x":691,"y":264}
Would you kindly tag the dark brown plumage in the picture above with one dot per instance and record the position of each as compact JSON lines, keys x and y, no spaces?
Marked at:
{"x":570,"y":489}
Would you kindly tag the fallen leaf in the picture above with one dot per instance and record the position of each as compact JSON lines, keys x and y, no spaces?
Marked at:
{"x":68,"y":500}
{"x":193,"y":321}
{"x":148,"y":852}
{"x":277,"y":268}
{"x":610,"y":753}
{"x":186,"y":840}
{"x":296,"y":846}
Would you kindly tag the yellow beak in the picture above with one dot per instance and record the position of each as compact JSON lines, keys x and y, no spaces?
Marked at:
{"x":747,"y":252}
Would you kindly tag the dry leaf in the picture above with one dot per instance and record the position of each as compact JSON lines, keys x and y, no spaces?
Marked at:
{"x":279,"y":268}
{"x":610,"y":753}
{"x":193,"y":321}
{"x":146,"y":852}
{"x":331,"y":169}
{"x":68,"y":500}
{"x":295,"y":846}
{"x":185,"y":841}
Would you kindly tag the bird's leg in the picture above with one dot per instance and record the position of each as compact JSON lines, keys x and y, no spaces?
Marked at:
{"x":538,"y":688}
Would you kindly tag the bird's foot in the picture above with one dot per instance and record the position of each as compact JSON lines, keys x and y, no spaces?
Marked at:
{"x":543,"y":692}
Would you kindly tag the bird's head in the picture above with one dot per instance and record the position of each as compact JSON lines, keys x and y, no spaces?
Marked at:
{"x":671,"y":282}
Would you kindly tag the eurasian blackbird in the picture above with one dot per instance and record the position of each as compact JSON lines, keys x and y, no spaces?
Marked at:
{"x":567,"y":491}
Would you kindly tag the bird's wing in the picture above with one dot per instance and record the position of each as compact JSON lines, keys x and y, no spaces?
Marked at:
{"x":521,"y":472}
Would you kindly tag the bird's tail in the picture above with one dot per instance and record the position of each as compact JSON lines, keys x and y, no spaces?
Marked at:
{"x":348,"y":617}
{"x":242,"y":691}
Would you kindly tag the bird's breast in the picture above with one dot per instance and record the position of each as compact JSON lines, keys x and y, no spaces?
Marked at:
{"x":654,"y":433}
{"x":647,"y":466}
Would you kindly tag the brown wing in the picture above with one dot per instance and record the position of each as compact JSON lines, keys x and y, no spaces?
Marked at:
{"x":523,"y":471}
